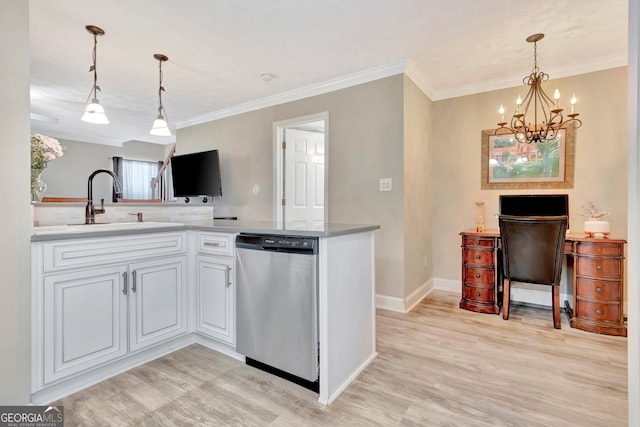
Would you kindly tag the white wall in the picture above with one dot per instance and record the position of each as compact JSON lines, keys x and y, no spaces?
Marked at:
{"x":15,"y":209}
{"x":633,"y":346}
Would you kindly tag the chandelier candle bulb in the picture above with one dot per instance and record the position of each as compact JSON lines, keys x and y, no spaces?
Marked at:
{"x":501,"y":112}
{"x":573,"y":102}
{"x":542,"y":118}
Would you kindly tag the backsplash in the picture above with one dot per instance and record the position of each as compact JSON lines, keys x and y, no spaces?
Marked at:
{"x":67,"y":213}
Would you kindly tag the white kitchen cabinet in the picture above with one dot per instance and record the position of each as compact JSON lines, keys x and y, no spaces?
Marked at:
{"x":86,"y":312}
{"x":157,"y":301}
{"x":215,"y":297}
{"x":98,"y":299}
{"x":85,"y":320}
{"x":215,"y":286}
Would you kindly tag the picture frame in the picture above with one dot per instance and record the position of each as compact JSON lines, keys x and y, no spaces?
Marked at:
{"x":507,"y":164}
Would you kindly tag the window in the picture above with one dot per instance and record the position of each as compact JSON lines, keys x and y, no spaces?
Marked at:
{"x":136,"y":179}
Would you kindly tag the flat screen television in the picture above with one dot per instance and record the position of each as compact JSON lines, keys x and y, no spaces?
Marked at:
{"x":196,"y":174}
{"x":534,"y":205}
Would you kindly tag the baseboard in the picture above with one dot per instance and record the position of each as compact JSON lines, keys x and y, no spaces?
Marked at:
{"x":418,"y":295}
{"x":390,"y":303}
{"x":404,"y":305}
{"x":348,"y":381}
{"x":79,"y":382}
{"x":519,"y":293}
{"x":218,"y":346}
{"x":447,"y":285}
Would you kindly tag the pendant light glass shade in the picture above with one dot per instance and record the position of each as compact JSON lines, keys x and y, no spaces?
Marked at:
{"x":160,"y":126}
{"x":94,"y":112}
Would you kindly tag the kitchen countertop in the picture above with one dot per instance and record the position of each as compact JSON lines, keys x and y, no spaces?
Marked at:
{"x":226,"y":226}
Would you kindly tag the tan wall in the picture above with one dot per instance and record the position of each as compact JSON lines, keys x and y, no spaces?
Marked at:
{"x":15,"y":227}
{"x":246,"y":159}
{"x":600,"y":162}
{"x":418,"y":187}
{"x":365,"y":141}
{"x":67,"y":176}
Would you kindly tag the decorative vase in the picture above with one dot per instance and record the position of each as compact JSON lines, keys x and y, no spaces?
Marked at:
{"x":480,"y":216}
{"x":38,"y":186}
{"x":596,"y":227}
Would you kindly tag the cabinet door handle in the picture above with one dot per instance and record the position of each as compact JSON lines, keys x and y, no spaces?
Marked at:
{"x":598,"y":289}
{"x":477,"y":275}
{"x":133,"y":286}
{"x":598,"y":311}
{"x":212,"y":244}
{"x":124,"y":279}
{"x":227,"y":276}
{"x":598,"y":267}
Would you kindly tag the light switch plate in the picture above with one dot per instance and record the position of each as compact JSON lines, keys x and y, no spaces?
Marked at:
{"x":385,"y":184}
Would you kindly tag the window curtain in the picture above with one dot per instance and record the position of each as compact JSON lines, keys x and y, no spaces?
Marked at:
{"x":135,"y":178}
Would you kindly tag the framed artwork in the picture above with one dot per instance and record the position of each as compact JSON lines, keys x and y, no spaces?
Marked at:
{"x":507,"y":163}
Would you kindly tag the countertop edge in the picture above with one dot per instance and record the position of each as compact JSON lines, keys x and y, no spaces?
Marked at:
{"x":345,"y":230}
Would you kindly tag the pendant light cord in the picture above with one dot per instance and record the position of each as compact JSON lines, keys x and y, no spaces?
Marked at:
{"x":160,"y":90}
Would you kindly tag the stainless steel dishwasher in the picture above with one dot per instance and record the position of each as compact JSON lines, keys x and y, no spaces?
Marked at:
{"x":277,"y":305}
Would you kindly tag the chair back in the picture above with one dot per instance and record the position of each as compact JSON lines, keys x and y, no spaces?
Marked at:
{"x":532,"y":248}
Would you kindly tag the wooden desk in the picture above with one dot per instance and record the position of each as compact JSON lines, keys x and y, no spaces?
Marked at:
{"x":596,"y":267}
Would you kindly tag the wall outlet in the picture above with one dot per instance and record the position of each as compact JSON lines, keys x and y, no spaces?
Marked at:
{"x":385,"y":184}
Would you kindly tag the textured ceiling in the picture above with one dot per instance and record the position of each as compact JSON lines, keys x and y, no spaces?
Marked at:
{"x":218,"y":48}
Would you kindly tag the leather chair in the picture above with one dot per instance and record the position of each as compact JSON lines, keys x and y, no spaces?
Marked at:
{"x":532,"y":251}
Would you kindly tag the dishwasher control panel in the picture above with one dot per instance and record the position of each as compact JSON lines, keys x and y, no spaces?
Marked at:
{"x":277,"y":243}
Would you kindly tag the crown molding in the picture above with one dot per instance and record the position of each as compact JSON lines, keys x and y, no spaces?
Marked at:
{"x":376,"y":73}
{"x":407,"y":67}
{"x":514,"y":81}
{"x":418,"y":78}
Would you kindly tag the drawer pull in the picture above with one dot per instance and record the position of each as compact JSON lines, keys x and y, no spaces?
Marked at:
{"x":598,"y":311}
{"x":477,"y":275}
{"x":477,"y":256}
{"x":477,"y":294}
{"x":598,"y":267}
{"x":212,"y":243}
{"x":598,"y":289}
{"x":477,"y":242}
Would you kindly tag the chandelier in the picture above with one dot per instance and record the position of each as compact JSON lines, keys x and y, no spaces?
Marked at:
{"x":545,"y":112}
{"x":94,"y":113}
{"x":160,"y":126}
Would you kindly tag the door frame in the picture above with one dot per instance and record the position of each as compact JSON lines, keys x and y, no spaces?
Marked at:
{"x":279,"y":128}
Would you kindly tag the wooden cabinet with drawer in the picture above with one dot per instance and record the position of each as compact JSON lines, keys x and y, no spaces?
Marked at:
{"x":479,"y":274}
{"x":598,"y":280}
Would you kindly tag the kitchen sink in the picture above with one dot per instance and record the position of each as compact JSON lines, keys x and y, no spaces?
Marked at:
{"x":105,"y":226}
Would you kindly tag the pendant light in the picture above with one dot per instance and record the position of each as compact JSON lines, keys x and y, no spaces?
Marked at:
{"x":94,"y":113}
{"x":160,"y":126}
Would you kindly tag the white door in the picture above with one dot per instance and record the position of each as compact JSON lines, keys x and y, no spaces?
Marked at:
{"x":304,"y":177}
{"x":157,"y":301}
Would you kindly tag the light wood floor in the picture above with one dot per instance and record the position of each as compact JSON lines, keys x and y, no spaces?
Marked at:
{"x":437,"y":365}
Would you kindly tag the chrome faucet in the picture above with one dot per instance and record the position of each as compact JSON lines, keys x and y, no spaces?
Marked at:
{"x":90,"y":211}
